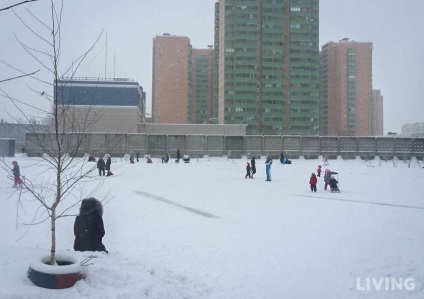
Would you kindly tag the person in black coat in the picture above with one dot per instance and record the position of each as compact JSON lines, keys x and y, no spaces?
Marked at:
{"x":88,"y":226}
{"x":108,"y":162}
{"x":253,"y":165}
{"x":101,"y":166}
{"x":178,"y":156}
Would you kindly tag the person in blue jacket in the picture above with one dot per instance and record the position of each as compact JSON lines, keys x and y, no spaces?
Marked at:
{"x":268,"y":163}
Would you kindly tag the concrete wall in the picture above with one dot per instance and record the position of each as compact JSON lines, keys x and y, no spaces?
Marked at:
{"x":233,"y":146}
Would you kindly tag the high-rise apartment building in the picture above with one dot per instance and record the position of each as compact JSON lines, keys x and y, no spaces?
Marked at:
{"x":346,"y":88}
{"x":201,"y":104}
{"x":171,"y":79}
{"x":377,"y":112}
{"x":268,"y":65}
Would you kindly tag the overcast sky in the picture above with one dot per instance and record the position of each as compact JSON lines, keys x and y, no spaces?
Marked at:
{"x":394,"y":27}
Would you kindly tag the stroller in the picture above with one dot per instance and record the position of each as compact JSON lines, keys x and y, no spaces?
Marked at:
{"x":333,"y":184}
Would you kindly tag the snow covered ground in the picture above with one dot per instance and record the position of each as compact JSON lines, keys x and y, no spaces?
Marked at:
{"x":200,"y":230}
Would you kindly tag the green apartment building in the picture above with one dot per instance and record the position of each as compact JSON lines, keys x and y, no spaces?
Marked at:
{"x":268,"y":65}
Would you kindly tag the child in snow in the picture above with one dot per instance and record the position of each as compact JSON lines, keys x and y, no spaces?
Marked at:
{"x":16,"y":174}
{"x":333,"y":184}
{"x":248,"y":170}
{"x":313,"y":182}
{"x":319,"y":170}
{"x":149,"y":160}
{"x":327,"y":177}
{"x":131,"y":159}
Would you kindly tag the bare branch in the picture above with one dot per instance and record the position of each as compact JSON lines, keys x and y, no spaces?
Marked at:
{"x":25,"y":75}
{"x":14,"y":101}
{"x":22,"y":72}
{"x":23,"y":2}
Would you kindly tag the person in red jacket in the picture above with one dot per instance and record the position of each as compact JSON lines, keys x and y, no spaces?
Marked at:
{"x":313,"y":183}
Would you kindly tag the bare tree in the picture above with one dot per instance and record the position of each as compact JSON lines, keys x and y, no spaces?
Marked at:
{"x":65,"y":140}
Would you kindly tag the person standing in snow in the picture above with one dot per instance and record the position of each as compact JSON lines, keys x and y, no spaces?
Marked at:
{"x":137,"y":155}
{"x":248,"y":170}
{"x":88,"y":227}
{"x":108,"y":162}
{"x":16,"y":174}
{"x":313,"y":182}
{"x":268,"y":164}
{"x":101,"y":166}
{"x":282,"y":157}
{"x":253,"y":164}
{"x":178,"y":156}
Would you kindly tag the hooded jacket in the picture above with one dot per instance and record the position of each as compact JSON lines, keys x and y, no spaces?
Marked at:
{"x":108,"y":162}
{"x":101,"y":164}
{"x":15,"y":169}
{"x":88,"y":226}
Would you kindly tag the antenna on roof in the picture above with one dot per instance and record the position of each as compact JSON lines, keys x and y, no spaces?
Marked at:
{"x":106,"y":58}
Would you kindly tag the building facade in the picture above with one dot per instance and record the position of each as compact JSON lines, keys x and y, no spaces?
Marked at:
{"x":416,"y":129}
{"x":171,"y":76}
{"x":268,"y":65}
{"x":202,"y":86}
{"x":377,"y":113}
{"x":346,"y":72}
{"x":17,"y":131}
{"x":100,"y":104}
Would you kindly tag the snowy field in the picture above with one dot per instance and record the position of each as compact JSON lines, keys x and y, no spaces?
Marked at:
{"x":200,"y":230}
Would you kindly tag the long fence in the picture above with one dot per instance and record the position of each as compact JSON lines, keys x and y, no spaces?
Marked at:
{"x":79,"y":144}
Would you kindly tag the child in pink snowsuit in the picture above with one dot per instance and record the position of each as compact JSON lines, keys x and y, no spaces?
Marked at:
{"x":16,"y":174}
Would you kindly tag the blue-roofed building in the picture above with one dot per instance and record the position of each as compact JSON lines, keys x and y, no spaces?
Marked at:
{"x":110,"y":105}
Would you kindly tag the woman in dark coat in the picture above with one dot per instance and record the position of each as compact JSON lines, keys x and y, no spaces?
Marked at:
{"x":108,"y":162}
{"x":101,"y":166}
{"x":253,"y":164}
{"x":88,"y":226}
{"x":178,"y":156}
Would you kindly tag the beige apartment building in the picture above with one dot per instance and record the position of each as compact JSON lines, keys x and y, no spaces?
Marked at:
{"x":346,"y":69}
{"x":170,"y":90}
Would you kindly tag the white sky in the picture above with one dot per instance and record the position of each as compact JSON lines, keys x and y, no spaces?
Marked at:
{"x":393,"y":26}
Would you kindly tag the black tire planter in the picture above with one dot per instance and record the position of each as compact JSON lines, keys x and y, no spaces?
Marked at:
{"x":61,"y":276}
